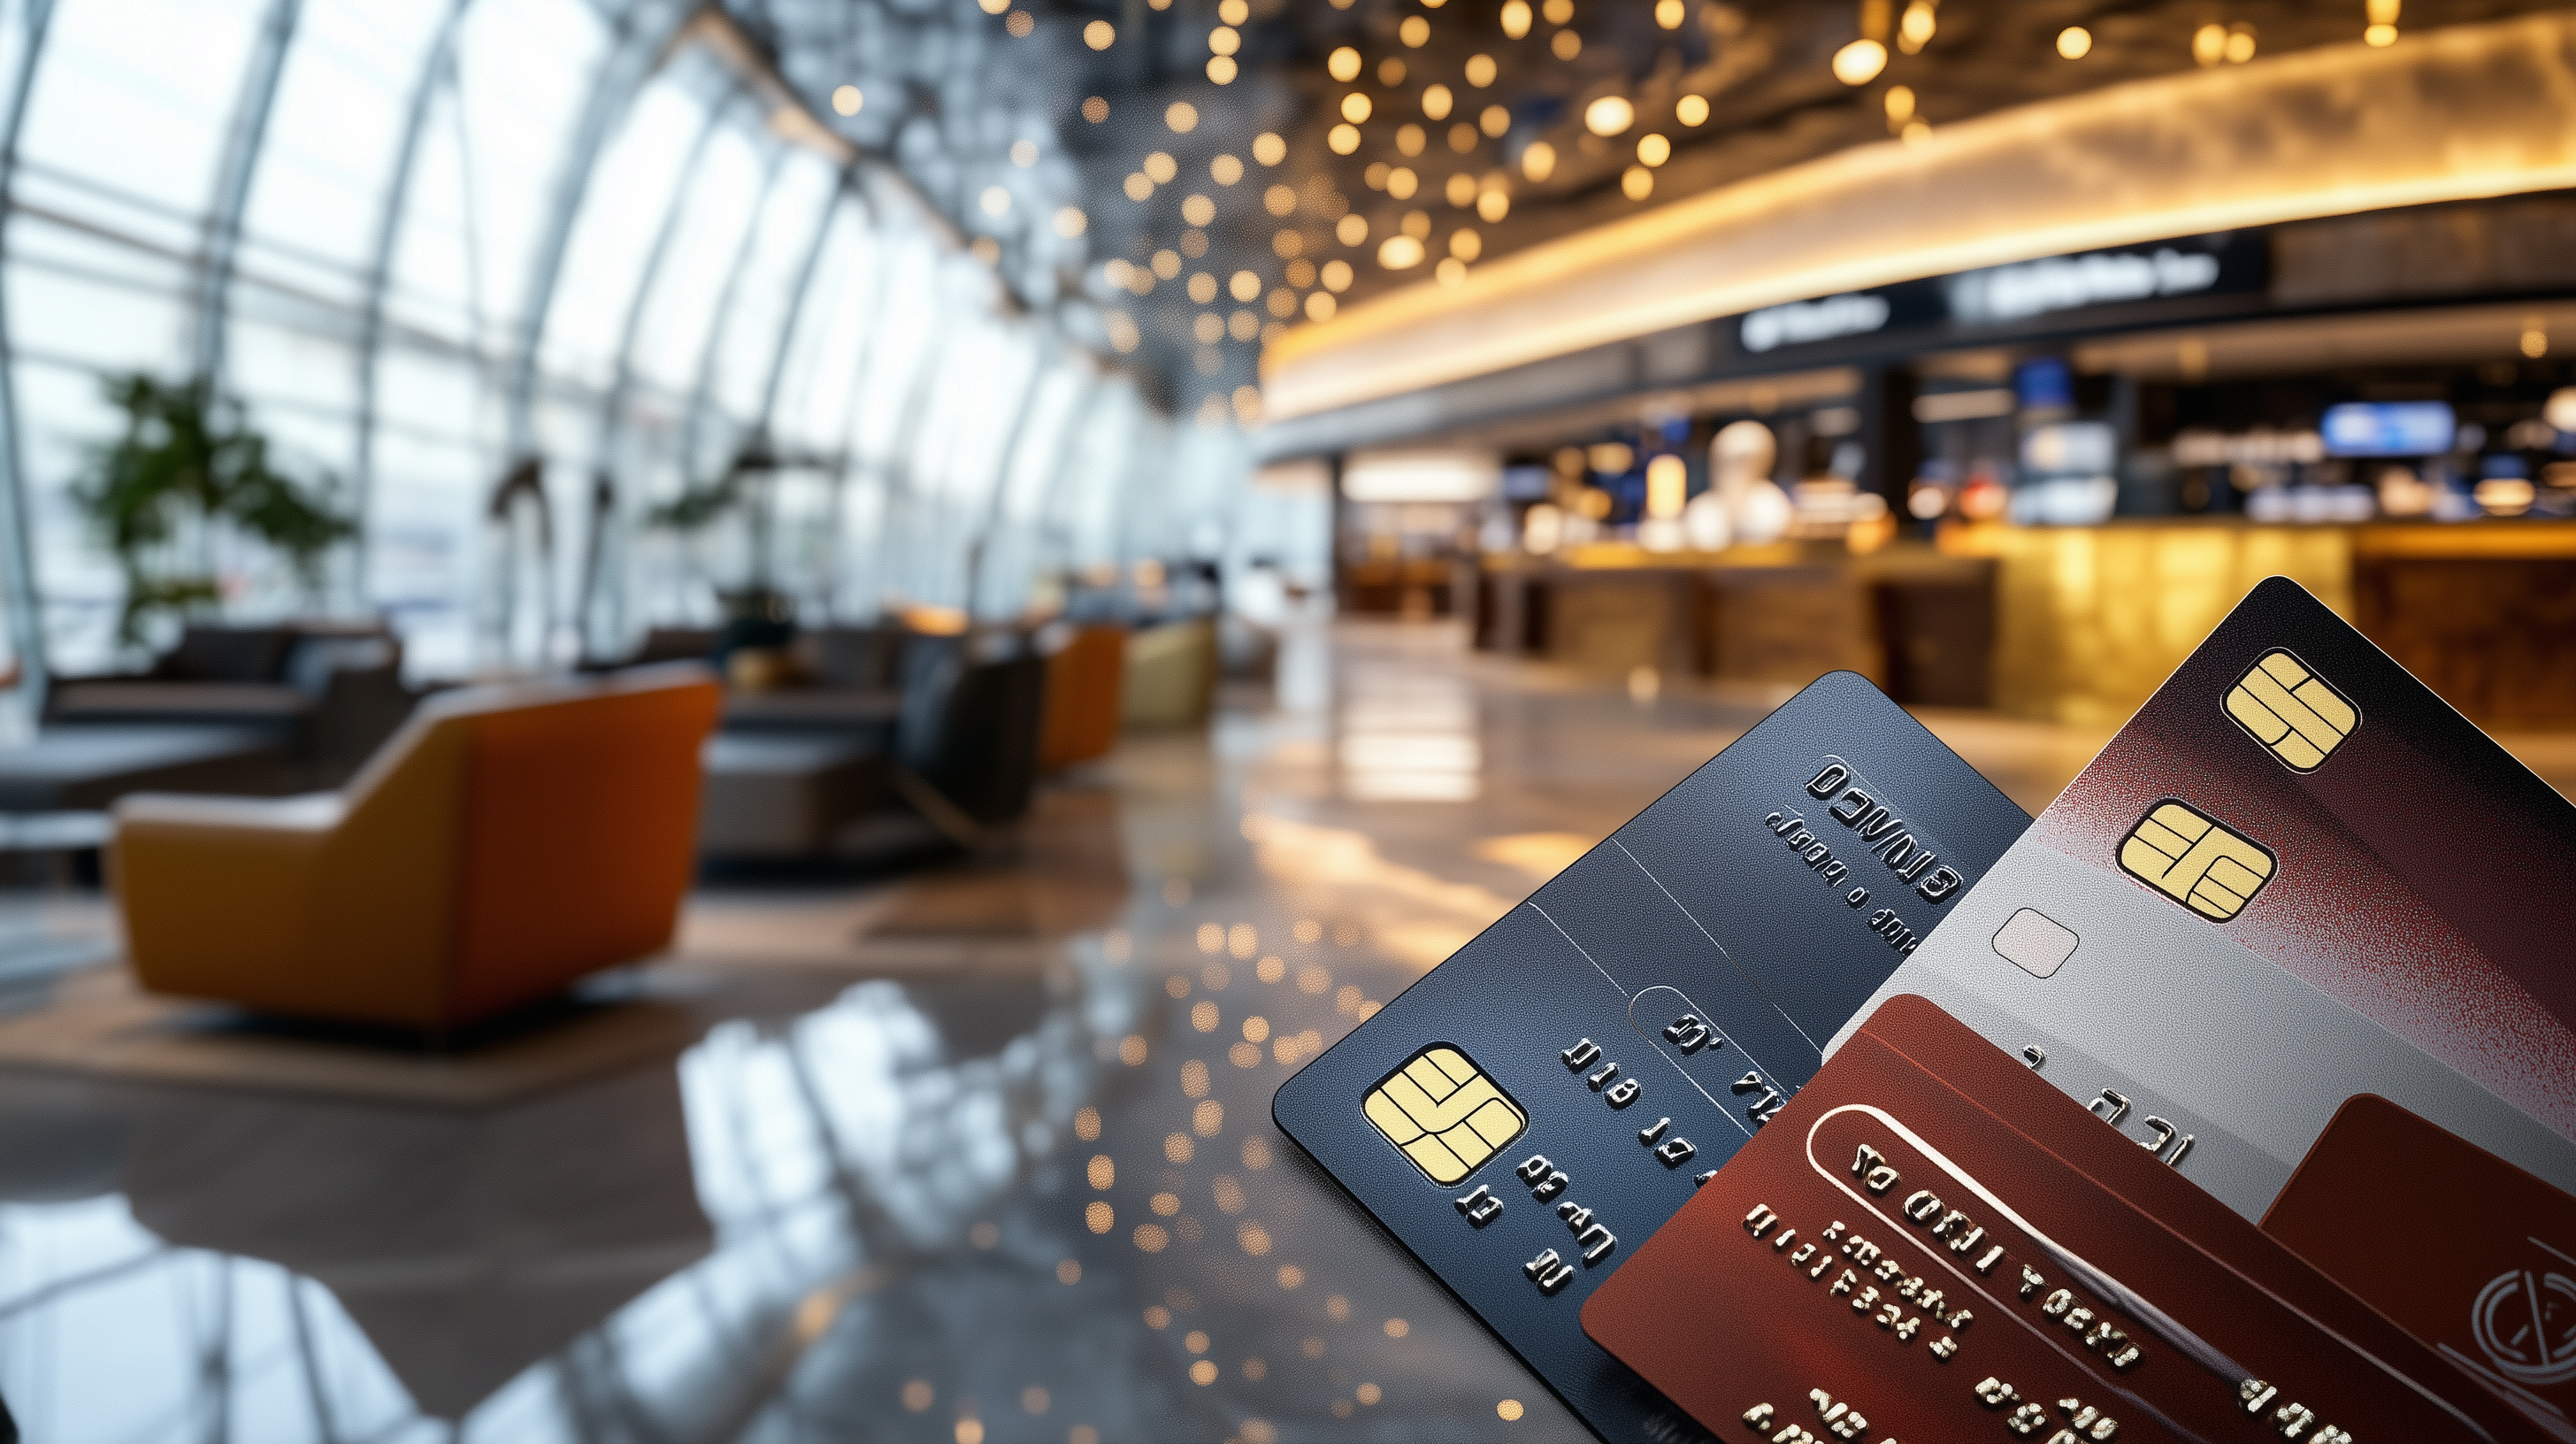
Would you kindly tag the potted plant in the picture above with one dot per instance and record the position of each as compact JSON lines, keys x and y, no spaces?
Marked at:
{"x":189,"y":468}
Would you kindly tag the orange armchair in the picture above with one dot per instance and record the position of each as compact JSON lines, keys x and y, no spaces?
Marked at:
{"x":506,"y":842}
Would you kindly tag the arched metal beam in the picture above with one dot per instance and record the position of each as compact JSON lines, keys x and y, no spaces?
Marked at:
{"x":17,"y":551}
{"x":635,"y":48}
{"x":239,"y":163}
{"x":371,"y":320}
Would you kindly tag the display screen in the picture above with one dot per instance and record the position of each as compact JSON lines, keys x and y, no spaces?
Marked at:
{"x":2388,"y":428}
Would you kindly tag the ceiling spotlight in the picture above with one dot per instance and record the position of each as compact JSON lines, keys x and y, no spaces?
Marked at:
{"x":1609,"y":115}
{"x":1914,"y":31}
{"x":1860,"y":62}
{"x":1670,"y":13}
{"x":1181,"y":116}
{"x":1343,"y":64}
{"x":1516,"y":18}
{"x":1654,"y":150}
{"x":2074,"y":42}
{"x":1100,"y":35}
{"x":1269,"y":149}
{"x":1691,"y":110}
{"x":847,"y":100}
{"x":1538,"y":163}
{"x":1399,"y":253}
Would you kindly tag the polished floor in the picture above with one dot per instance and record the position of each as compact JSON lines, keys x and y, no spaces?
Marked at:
{"x":978,"y":1156}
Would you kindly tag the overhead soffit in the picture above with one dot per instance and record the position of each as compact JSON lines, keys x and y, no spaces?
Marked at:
{"x":2457,"y":113}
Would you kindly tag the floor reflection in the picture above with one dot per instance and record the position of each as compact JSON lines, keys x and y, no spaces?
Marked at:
{"x":982,"y":1157}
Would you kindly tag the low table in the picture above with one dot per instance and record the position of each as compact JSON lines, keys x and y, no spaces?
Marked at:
{"x":785,"y":795}
{"x":86,"y":768}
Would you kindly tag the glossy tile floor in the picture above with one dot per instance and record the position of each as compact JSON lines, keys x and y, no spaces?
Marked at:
{"x":978,"y":1156}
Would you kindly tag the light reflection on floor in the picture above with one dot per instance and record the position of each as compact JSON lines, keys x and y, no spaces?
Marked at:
{"x":1000,"y":1169}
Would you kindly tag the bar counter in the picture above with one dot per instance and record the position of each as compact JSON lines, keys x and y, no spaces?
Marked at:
{"x":2068,"y":624}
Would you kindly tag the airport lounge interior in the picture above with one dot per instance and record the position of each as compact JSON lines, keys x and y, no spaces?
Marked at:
{"x":919,"y":604}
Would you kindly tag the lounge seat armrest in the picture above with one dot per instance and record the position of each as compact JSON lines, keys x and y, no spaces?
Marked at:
{"x":313,"y":812}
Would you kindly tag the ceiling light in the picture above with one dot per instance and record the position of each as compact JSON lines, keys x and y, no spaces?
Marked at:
{"x":1225,"y":40}
{"x":1100,"y":35}
{"x":1232,"y":12}
{"x":1860,"y":62}
{"x":1375,"y":176}
{"x":1245,"y":286}
{"x":1202,"y":288}
{"x":1139,"y":186}
{"x":1495,"y":121}
{"x":1465,"y":244}
{"x":1417,"y":224}
{"x":1181,"y":116}
{"x":1415,"y":31}
{"x":1480,"y":70}
{"x":1390,"y":72}
{"x":1095,"y":109}
{"x":1350,"y":230}
{"x":1225,"y":170}
{"x":2209,"y":43}
{"x":1269,"y":149}
{"x":1900,"y":105}
{"x":1071,"y":222}
{"x":1319,"y":307}
{"x":1243,"y":325}
{"x":1401,"y":182}
{"x":994,"y":7}
{"x":1636,"y":182}
{"x":1279,"y":200}
{"x":1451,"y":272}
{"x":1399,"y":253}
{"x":1221,"y":69}
{"x":1209,"y":328}
{"x":1161,"y":168}
{"x":1915,"y":30}
{"x":2560,"y":412}
{"x":2380,"y":35}
{"x":1670,"y":13}
{"x":1493,"y":206}
{"x":1024,"y":153}
{"x":1198,"y":210}
{"x":1558,"y":12}
{"x":1565,"y":44}
{"x":1019,"y":23}
{"x":996,"y":202}
{"x":1343,"y":64}
{"x":1653,"y":150}
{"x":1691,"y":110}
{"x":1409,"y":139}
{"x":1166,"y":264}
{"x":1609,"y":115}
{"x":1516,"y":18}
{"x":1436,"y":101}
{"x":1343,"y":139}
{"x":1337,"y":275}
{"x":847,"y":100}
{"x":1916,"y":132}
{"x":2074,"y":42}
{"x":1356,"y":107}
{"x":1538,"y":162}
{"x":2240,"y":43}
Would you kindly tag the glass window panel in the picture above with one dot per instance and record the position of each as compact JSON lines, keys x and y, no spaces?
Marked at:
{"x":716,"y":210}
{"x":757,"y":318}
{"x":431,"y":290}
{"x":145,"y":120}
{"x":344,"y":96}
{"x":525,"y":70}
{"x":623,"y":211}
{"x":832,"y":338}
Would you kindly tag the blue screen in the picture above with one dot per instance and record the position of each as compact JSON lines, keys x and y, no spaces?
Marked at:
{"x":2388,"y":428}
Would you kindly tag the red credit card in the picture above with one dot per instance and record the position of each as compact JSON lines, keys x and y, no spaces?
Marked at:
{"x":1929,"y":1244}
{"x":2493,"y":1287}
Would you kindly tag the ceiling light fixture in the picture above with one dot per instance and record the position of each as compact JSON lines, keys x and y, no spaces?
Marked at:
{"x":1480,"y":70}
{"x":1609,"y":115}
{"x":1538,"y":163}
{"x":1860,"y":62}
{"x":1356,"y":107}
{"x":1181,"y":116}
{"x":1436,"y":101}
{"x":2074,"y":42}
{"x":1100,"y":35}
{"x":1516,"y":18}
{"x":1670,"y":13}
{"x":1691,"y":110}
{"x":1343,"y":64}
{"x":1415,"y":32}
{"x":1653,"y":150}
{"x":1269,"y":149}
{"x":1914,"y":30}
{"x":847,"y":100}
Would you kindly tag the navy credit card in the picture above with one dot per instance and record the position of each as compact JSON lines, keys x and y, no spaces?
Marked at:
{"x":1540,"y":1103}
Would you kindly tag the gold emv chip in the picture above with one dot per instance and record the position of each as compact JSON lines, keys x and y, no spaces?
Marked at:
{"x":2292,"y":711}
{"x":2196,"y":860}
{"x":1444,"y":1113}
